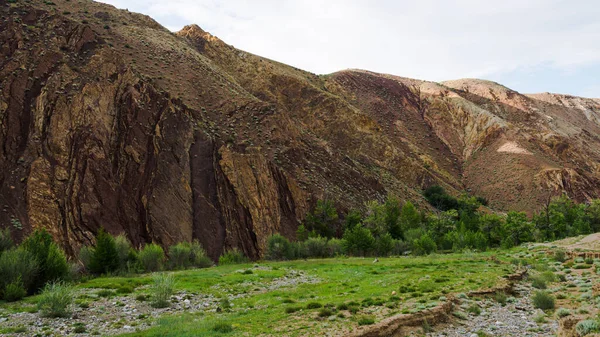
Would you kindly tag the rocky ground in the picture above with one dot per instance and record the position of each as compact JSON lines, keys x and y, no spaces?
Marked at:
{"x":517,"y":318}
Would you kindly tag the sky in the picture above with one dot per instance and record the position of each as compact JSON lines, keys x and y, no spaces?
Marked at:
{"x":527,"y":45}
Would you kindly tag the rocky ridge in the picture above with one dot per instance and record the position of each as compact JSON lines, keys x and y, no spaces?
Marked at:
{"x":109,"y":120}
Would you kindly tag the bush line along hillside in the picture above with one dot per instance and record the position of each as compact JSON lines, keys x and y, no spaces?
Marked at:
{"x":392,"y":228}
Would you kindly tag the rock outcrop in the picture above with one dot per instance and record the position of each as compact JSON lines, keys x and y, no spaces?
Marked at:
{"x":109,"y":120}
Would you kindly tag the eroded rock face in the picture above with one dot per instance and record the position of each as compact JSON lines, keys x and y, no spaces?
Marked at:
{"x":109,"y":120}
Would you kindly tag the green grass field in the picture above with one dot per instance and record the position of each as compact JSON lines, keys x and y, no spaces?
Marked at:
{"x":354,"y":289}
{"x":294,"y":298}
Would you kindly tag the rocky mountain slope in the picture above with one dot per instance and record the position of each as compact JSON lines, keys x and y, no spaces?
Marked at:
{"x":108,"y":119}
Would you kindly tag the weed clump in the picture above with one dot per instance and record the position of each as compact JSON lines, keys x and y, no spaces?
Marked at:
{"x":365,"y":320}
{"x":587,"y":327}
{"x":162,"y":289}
{"x":314,"y":305}
{"x":55,"y":299}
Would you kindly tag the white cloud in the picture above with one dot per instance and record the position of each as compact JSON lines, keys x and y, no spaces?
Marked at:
{"x":434,"y":40}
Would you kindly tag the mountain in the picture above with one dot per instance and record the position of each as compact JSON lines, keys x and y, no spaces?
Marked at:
{"x":109,"y":120}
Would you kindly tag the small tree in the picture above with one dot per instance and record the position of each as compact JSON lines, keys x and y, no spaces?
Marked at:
{"x":106,"y":257}
{"x":384,"y":244}
{"x":323,"y":219}
{"x":6,"y":241}
{"x":359,"y":241}
{"x":301,"y":233}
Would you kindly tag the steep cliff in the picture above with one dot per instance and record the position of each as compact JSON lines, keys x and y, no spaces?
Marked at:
{"x":109,"y":120}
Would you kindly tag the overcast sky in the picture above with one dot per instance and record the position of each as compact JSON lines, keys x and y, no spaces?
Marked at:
{"x":527,"y":45}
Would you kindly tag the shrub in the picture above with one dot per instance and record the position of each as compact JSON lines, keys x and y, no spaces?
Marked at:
{"x":6,"y":241}
{"x":151,"y":257}
{"x":162,"y":289}
{"x":543,"y":300}
{"x":51,"y":260}
{"x":335,"y":247}
{"x":278,"y":248}
{"x":233,"y":256}
{"x":291,"y":310}
{"x":474,"y":309}
{"x":198,"y":257}
{"x":55,"y":299}
{"x":562,"y":312}
{"x":85,"y":256}
{"x":180,"y":255}
{"x":366,"y":320}
{"x":314,"y":305}
{"x":424,"y":245}
{"x":500,"y":297}
{"x":325,"y":312}
{"x":587,"y":327}
{"x":560,"y":256}
{"x":124,"y":248}
{"x":359,"y":241}
{"x":105,"y":258}
{"x":538,"y":283}
{"x":15,"y":290}
{"x":18,"y":264}
{"x":316,"y":247}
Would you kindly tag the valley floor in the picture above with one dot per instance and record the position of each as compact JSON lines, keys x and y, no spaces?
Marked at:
{"x":329,"y":297}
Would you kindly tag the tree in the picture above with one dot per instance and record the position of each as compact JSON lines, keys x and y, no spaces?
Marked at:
{"x":491,"y":226}
{"x":517,"y":229}
{"x":352,"y":219}
{"x":392,"y":217}
{"x":375,"y":219}
{"x":324,"y":219}
{"x":106,"y":257}
{"x":424,"y":245}
{"x":359,"y":241}
{"x":409,"y":216}
{"x":301,"y":233}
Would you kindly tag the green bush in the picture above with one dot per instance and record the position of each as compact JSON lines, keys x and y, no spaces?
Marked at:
{"x":538,"y":282}
{"x":278,"y":248}
{"x":365,"y":320}
{"x":325,"y":312}
{"x":6,"y":241}
{"x":359,"y":241}
{"x":198,"y":257}
{"x":18,"y":264}
{"x":316,"y":247}
{"x":55,"y":299}
{"x":51,"y":260}
{"x":151,"y":257}
{"x":314,"y":305}
{"x":543,"y":300}
{"x":161,"y":290}
{"x":474,"y":309}
{"x":587,"y":327}
{"x":124,"y":248}
{"x":180,"y":255}
{"x":500,"y":297}
{"x":14,"y":291}
{"x":335,"y":247}
{"x":560,"y":256}
{"x":85,"y":256}
{"x":424,"y":245}
{"x":233,"y":256}
{"x":105,"y":258}
{"x":562,"y":312}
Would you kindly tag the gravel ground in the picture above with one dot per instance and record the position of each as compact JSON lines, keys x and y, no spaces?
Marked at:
{"x":516,"y":318}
